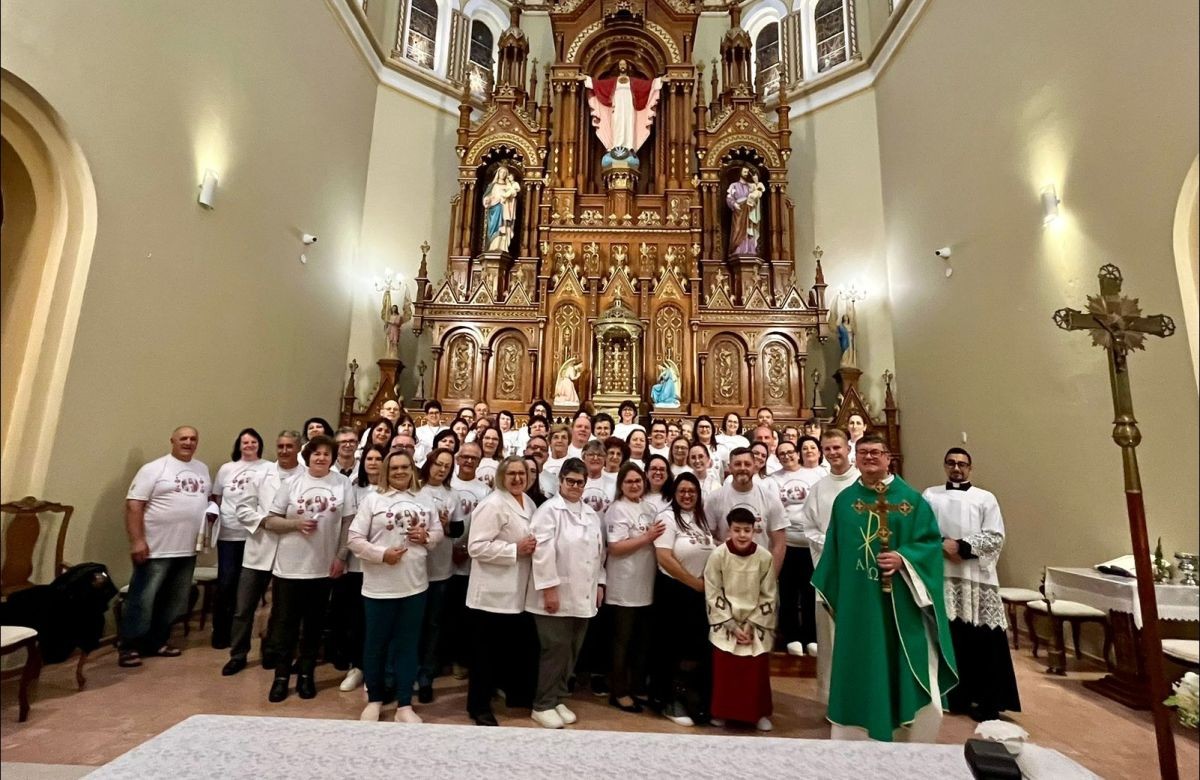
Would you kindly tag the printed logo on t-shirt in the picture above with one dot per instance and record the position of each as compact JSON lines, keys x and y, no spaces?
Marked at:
{"x":760,"y":526}
{"x":316,"y":503}
{"x":793,"y":492}
{"x":242,"y":480}
{"x":405,"y":515}
{"x":189,"y":482}
{"x":466,"y":503}
{"x":596,"y":498}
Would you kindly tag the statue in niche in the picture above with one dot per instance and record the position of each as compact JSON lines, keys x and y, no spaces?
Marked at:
{"x":500,"y":210}
{"x":846,"y":338}
{"x":665,"y":393}
{"x":623,"y":111}
{"x":393,"y":320}
{"x":564,"y":389}
{"x":744,"y":199}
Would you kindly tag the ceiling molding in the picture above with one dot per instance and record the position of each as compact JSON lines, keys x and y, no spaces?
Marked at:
{"x":839,"y":84}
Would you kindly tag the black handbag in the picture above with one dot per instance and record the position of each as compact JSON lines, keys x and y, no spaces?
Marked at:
{"x":991,"y":760}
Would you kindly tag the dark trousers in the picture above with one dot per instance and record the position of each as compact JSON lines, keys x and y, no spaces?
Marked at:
{"x":681,"y":651}
{"x":596,"y":655}
{"x":431,"y":629}
{"x":630,"y":643}
{"x":456,"y":633}
{"x":252,"y":586}
{"x":301,"y":606}
{"x":345,"y":645}
{"x":157,"y":597}
{"x":560,"y":639}
{"x":229,"y":569}
{"x":797,"y":599}
{"x":504,"y":654}
{"x":392,"y":632}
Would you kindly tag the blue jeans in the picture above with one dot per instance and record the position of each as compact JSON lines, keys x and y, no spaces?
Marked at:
{"x":393,"y":629}
{"x":229,"y":568}
{"x":158,"y":596}
{"x":431,"y":629}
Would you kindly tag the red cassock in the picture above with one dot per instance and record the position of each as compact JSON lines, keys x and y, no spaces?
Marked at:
{"x":603,"y":90}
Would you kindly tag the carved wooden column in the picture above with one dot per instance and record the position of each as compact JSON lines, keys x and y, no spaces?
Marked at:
{"x":485,"y":355}
{"x":801,"y":361}
{"x":752,"y":385}
{"x":535,"y":377}
{"x":702,"y":359}
{"x":436,"y":351}
{"x":469,"y":219}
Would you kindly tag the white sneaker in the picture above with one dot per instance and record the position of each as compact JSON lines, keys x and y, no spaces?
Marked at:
{"x":370,"y":713}
{"x":354,"y":678}
{"x":406,"y":715}
{"x":764,"y":724}
{"x":812,"y":649}
{"x":567,"y":716}
{"x":678,"y":715}
{"x":795,"y":648}
{"x":718,"y":722}
{"x":547,"y":719}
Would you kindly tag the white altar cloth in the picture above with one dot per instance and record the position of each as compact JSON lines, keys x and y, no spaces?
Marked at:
{"x":208,"y":746}
{"x":227,"y":746}
{"x":1109,"y":592}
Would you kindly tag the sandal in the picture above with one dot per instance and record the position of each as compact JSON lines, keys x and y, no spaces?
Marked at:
{"x":166,"y":651}
{"x":129,"y":658}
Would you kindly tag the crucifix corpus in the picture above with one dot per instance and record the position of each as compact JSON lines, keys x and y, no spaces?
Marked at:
{"x":1116,"y":324}
{"x":880,"y":508}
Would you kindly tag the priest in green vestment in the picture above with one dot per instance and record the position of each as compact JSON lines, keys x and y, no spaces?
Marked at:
{"x":893,"y":660}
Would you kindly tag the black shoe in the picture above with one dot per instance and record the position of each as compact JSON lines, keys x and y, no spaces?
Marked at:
{"x":634,"y":708}
{"x":269,"y":662}
{"x":425,"y":694}
{"x":599,"y":685}
{"x":485,"y":719}
{"x":220,"y":642}
{"x":306,"y":686}
{"x":279,"y":689}
{"x":233,"y":666}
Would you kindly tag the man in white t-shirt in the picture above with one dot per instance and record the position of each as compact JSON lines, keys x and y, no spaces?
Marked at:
{"x":761,"y":498}
{"x":164,"y":517}
{"x":258,"y":557}
{"x":581,"y":433}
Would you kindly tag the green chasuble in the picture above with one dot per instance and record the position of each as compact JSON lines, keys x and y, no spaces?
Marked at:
{"x":881,"y":660}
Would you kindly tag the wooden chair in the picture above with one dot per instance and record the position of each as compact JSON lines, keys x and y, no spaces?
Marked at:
{"x":21,"y":540}
{"x":1060,"y":612}
{"x":1013,"y":598}
{"x":13,"y":639}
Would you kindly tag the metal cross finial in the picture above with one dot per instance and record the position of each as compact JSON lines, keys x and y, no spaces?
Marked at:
{"x":1114,"y":320}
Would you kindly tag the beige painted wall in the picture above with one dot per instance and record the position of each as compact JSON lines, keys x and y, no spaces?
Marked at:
{"x":834,"y":182}
{"x":1099,"y":100}
{"x":412,"y":176}
{"x":189,"y":315}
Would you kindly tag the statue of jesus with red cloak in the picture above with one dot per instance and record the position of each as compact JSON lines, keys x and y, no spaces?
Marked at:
{"x":623,"y":109}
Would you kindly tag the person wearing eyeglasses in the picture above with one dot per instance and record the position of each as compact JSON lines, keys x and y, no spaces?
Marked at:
{"x":567,"y":588}
{"x":469,"y":491}
{"x":893,"y":660}
{"x":797,"y":607}
{"x":972,"y":531}
{"x":761,"y":498}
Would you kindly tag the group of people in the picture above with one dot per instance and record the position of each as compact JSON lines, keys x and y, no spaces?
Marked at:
{"x":658,"y":565}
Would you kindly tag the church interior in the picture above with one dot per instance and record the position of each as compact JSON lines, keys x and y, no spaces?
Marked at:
{"x":823,"y":208}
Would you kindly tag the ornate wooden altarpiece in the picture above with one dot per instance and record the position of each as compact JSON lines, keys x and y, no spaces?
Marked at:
{"x":622,"y":267}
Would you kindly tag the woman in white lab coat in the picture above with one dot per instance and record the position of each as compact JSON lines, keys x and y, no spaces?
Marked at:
{"x":504,"y":643}
{"x":566,"y":589}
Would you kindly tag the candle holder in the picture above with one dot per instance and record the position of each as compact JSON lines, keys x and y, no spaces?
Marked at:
{"x":1186,"y":567}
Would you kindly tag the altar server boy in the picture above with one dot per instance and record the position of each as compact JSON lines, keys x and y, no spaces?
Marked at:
{"x":740,"y":589}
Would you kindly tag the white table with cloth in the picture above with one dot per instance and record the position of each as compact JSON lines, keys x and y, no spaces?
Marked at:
{"x":1127,"y":681}
{"x":208,"y":746}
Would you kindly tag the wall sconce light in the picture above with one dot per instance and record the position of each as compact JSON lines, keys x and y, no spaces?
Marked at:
{"x":208,"y":189}
{"x":1050,"y":203}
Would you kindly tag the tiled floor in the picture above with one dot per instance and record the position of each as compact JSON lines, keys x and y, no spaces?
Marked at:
{"x":121,"y":708}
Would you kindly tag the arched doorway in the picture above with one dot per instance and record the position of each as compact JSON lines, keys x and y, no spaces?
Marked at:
{"x":47,"y":234}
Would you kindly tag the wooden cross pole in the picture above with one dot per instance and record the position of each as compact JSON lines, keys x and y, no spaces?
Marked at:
{"x":1116,"y":324}
{"x":881,"y":507}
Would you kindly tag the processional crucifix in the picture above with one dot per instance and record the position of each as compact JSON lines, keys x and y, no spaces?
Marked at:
{"x":881,"y":507}
{"x":1117,"y":325}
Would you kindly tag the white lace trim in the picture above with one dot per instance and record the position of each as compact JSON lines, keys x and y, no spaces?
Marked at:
{"x":974,"y":602}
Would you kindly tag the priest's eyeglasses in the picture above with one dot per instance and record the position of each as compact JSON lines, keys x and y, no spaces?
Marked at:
{"x":872,"y":453}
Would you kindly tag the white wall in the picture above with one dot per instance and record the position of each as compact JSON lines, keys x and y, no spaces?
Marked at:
{"x":982,"y":107}
{"x":194,"y":316}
